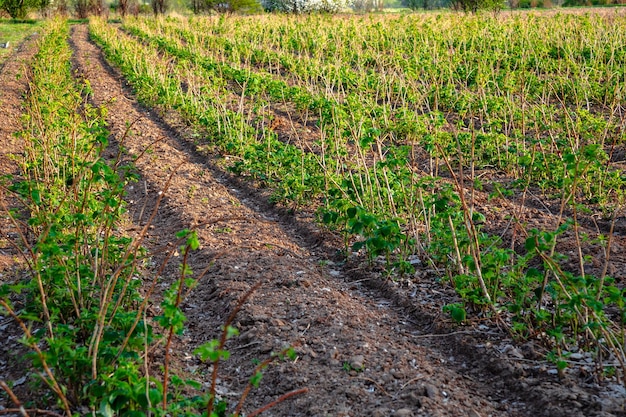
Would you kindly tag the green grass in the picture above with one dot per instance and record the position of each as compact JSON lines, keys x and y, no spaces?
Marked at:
{"x":14,"y":33}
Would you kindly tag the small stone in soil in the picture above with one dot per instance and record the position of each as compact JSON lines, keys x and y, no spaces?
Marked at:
{"x":397,"y":374}
{"x":380,"y":412}
{"x":413,"y":399}
{"x":430,"y":391}
{"x":357,"y":362}
{"x":403,"y":412}
{"x":353,"y":393}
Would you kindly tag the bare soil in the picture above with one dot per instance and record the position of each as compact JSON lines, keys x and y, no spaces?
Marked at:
{"x":13,"y":84}
{"x":366,"y":346}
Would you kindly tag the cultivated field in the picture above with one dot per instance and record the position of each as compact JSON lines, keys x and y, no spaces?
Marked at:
{"x":488,"y":149}
{"x":459,"y":175}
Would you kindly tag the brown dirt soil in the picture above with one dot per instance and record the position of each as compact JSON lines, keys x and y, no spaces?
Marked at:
{"x":13,"y":84}
{"x":12,"y":87}
{"x":338,"y":316}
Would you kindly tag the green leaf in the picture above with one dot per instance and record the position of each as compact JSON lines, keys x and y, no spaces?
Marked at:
{"x":357,"y":246}
{"x":231,"y":332}
{"x":357,"y":228}
{"x":291,"y":354}
{"x":177,"y":381}
{"x":192,"y":241}
{"x":561,"y":364}
{"x":183,"y":233}
{"x":478,"y":218}
{"x":458,"y":314}
{"x":207,"y":350}
{"x":255,"y":380}
{"x":330,"y":217}
{"x":531,"y":244}
{"x":456,"y":311}
{"x":156,"y":396}
{"x":36,"y":196}
{"x":105,"y":409}
{"x":194,"y":384}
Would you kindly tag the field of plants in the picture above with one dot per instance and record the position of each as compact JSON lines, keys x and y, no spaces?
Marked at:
{"x":482,"y":155}
{"x":490,"y":150}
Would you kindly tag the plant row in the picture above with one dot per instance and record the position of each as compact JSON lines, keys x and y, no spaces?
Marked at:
{"x":528,"y":138}
{"x":83,"y":310}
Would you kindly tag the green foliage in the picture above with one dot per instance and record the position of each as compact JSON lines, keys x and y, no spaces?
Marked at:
{"x":86,"y":8}
{"x":229,"y":6}
{"x":415,"y":4}
{"x":210,"y":352}
{"x":305,"y":6}
{"x":18,"y":9}
{"x":474,"y":6}
{"x":84,"y":299}
{"x":75,"y":200}
{"x":575,"y":3}
{"x":456,"y":311}
{"x":14,"y":33}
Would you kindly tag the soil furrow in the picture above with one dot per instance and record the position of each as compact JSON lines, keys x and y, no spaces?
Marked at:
{"x":13,"y":86}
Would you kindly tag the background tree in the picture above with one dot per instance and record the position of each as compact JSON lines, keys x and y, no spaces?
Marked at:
{"x":18,"y":9}
{"x":62,"y":7}
{"x":85,"y":8}
{"x":125,"y":7}
{"x":159,"y":6}
{"x":43,"y":6}
{"x":417,"y":4}
{"x":365,"y":6}
{"x":305,"y":6}
{"x":472,"y":6}
{"x":245,"y":6}
{"x":286,"y":6}
{"x":226,"y":6}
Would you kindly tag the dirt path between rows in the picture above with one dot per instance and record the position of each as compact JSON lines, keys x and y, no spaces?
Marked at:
{"x":13,"y":85}
{"x":337,"y":317}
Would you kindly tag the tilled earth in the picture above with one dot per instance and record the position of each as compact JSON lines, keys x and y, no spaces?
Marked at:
{"x":365,"y":346}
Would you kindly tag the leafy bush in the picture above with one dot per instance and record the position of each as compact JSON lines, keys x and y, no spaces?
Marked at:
{"x":305,"y":6}
{"x":474,"y":5}
{"x":18,"y":9}
{"x":227,"y":6}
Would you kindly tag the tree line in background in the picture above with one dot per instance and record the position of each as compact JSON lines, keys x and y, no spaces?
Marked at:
{"x":19,"y":9}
